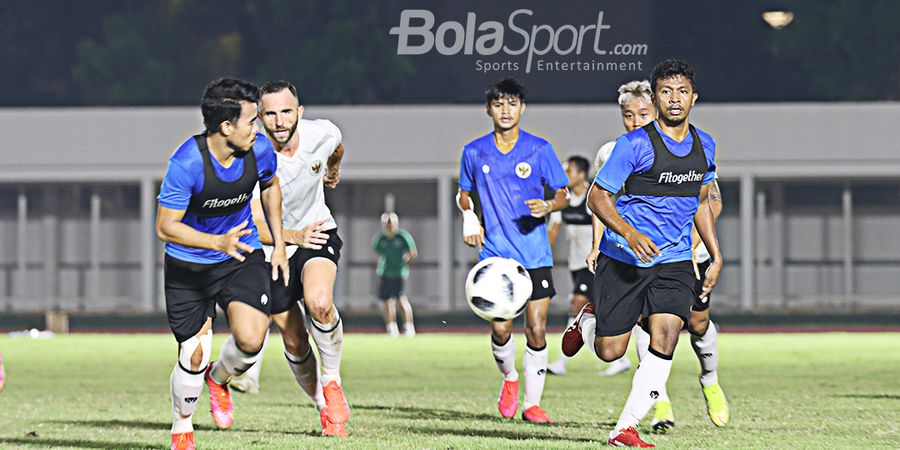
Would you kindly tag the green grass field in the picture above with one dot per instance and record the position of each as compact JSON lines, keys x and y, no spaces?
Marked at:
{"x":439,"y":391}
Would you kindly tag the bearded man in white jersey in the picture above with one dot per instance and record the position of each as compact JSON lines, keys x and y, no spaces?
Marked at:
{"x":309,"y":156}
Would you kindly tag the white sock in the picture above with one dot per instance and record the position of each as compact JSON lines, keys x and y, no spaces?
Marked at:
{"x":641,"y":342}
{"x":649,"y":380}
{"x":642,"y":345}
{"x":185,"y":388}
{"x":186,"y":385}
{"x":329,"y":339}
{"x":306,"y":372}
{"x":232,"y":362}
{"x":534,"y":365}
{"x":707,"y":349}
{"x":588,"y":327}
{"x":505,"y":357}
{"x":392,"y":329}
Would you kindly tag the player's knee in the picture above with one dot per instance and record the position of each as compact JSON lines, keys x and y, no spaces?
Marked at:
{"x":610,"y":353}
{"x":250,"y":345}
{"x":698,"y":325}
{"x":320,"y":308}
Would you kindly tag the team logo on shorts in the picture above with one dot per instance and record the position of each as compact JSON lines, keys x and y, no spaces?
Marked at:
{"x":523,"y":170}
{"x":545,"y":284}
{"x":330,"y":250}
{"x":315,"y":168}
{"x":264,"y":299}
{"x":485,"y":169}
{"x":582,"y":287}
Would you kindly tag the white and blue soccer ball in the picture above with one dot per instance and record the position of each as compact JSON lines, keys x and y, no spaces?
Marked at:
{"x":498,"y":289}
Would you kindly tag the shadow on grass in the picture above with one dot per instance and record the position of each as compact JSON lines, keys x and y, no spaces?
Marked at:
{"x":448,"y":414}
{"x":870,"y":396}
{"x":139,"y":424}
{"x":425,"y":413}
{"x":71,"y":443}
{"x":165,"y":426}
{"x":513,"y":435}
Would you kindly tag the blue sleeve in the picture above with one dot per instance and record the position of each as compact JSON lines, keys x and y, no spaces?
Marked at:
{"x":266,"y":162}
{"x":618,"y":167}
{"x":466,"y":176}
{"x":177,"y":187}
{"x":551,"y":169}
{"x":710,"y":152}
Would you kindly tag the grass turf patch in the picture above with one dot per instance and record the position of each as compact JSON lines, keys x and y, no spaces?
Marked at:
{"x":439,"y":391}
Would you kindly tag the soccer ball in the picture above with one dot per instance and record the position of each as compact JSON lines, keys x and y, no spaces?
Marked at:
{"x":498,"y":289}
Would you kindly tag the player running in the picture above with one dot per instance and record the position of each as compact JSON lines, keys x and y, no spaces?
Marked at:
{"x":508,"y":169}
{"x":637,"y":111}
{"x":645,"y":268}
{"x":636,"y":106}
{"x":395,"y":248}
{"x":204,"y":218}
{"x":309,"y":156}
{"x":579,"y":235}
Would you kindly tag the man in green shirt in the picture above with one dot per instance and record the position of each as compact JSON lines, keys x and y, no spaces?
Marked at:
{"x":396,"y":249}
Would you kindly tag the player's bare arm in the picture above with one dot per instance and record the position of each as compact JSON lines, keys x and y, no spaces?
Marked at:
{"x":333,"y":167}
{"x":169,"y":228}
{"x":540,"y":207}
{"x":715,"y":204}
{"x":270,"y":199}
{"x":553,"y":231}
{"x":473,"y":233}
{"x":598,"y":229}
{"x":600,"y":201}
{"x":704,"y":222}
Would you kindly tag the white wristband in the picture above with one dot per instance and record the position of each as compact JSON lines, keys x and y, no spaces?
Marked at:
{"x":471,"y":224}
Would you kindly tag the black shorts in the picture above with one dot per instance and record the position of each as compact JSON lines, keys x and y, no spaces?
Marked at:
{"x":582,"y":282}
{"x":623,"y":292}
{"x":701,"y":305}
{"x":285,"y":296}
{"x":390,"y":288}
{"x":193,"y":289}
{"x":541,"y":283}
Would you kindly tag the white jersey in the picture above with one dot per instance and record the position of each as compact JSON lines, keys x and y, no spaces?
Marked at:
{"x":603,"y":155}
{"x":301,"y":177}
{"x":579,"y":231}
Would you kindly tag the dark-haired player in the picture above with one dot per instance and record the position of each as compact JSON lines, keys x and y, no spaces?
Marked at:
{"x":636,"y":104}
{"x":579,"y":236}
{"x":309,"y":154}
{"x":212,"y":250}
{"x":509,"y":169}
{"x":645,"y":266}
